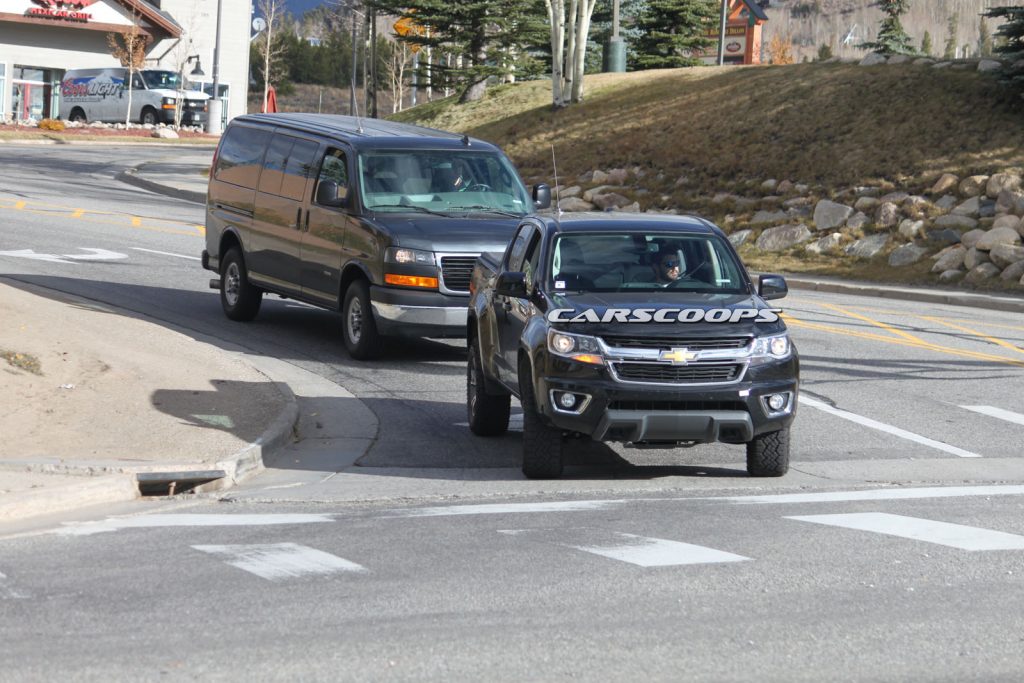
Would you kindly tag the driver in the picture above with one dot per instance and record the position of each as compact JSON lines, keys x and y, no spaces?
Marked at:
{"x":666,"y":266}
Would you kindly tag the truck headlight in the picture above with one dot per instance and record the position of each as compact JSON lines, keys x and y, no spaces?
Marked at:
{"x":409,"y":256}
{"x":777,"y":347}
{"x":578,"y":347}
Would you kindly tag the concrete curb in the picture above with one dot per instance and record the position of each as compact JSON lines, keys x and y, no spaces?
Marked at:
{"x":986,"y":301}
{"x":111,"y":488}
{"x":129,"y":177}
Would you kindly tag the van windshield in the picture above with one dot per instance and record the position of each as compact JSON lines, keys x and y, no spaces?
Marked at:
{"x":645,"y":262}
{"x":448,"y":181}
{"x":167,"y":80}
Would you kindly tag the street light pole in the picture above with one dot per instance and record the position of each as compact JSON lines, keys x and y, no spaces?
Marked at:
{"x":352,"y":81}
{"x":721,"y":32}
{"x":213,"y":126}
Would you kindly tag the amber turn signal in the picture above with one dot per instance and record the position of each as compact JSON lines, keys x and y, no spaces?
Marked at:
{"x":410,"y":280}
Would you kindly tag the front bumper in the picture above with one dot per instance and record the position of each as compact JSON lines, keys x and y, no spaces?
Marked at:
{"x":189,"y":117}
{"x":616,"y":411}
{"x":407,"y":313}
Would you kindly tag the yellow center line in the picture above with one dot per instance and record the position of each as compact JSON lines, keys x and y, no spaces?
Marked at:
{"x":136,"y":222}
{"x":994,"y":340}
{"x":876,"y":323}
{"x":19,"y":205}
{"x":901,"y":342}
{"x":78,"y":213}
{"x":97,"y":218}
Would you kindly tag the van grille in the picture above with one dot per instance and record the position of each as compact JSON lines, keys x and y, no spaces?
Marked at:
{"x":693,"y":344}
{"x":703,"y":373}
{"x":456,"y":272}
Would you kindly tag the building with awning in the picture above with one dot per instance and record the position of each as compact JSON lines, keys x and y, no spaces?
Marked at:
{"x":742,"y":34}
{"x":41,"y":39}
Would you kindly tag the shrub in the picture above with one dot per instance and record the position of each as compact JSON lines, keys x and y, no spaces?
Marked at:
{"x":51,"y":124}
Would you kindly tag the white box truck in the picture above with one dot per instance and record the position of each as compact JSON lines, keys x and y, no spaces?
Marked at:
{"x":102,"y":95}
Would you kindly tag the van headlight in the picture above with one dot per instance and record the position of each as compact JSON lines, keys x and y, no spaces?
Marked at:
{"x":776,"y":347}
{"x":578,"y":347}
{"x":409,"y":256}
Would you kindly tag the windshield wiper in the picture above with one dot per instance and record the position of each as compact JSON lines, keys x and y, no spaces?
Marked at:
{"x":489,"y":209}
{"x":411,"y":207}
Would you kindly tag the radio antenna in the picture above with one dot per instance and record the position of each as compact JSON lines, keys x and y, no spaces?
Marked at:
{"x":554,"y":168}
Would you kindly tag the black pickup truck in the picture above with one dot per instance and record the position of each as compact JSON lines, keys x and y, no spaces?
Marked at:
{"x":629,"y":328}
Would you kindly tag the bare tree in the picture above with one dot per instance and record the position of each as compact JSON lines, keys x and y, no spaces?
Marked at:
{"x":266,"y":48}
{"x":570,"y":27}
{"x":129,"y":48}
{"x":399,"y":60}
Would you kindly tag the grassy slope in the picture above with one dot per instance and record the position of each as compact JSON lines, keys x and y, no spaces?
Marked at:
{"x":833,"y":124}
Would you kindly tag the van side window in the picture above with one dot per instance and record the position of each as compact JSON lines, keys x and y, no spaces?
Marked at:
{"x":335,"y":168}
{"x":273,"y":164}
{"x":137,"y":82}
{"x":298,"y":169}
{"x":241,"y":155}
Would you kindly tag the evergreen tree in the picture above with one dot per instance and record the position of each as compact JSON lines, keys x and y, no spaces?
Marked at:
{"x":984,"y":39}
{"x":949,"y":51}
{"x":926,"y":44}
{"x":824,"y":52}
{"x":1012,"y":43}
{"x":892,"y":39}
{"x":674,"y":32}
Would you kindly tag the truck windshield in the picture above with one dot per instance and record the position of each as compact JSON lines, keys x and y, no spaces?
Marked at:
{"x":638,"y":261}
{"x":167,"y":80}
{"x":448,"y":181}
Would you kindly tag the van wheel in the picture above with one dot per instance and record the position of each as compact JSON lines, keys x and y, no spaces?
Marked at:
{"x":542,"y":443}
{"x":148,"y":116}
{"x":239,"y":298}
{"x":768,"y":454}
{"x":77,"y":115}
{"x":488,"y":415}
{"x":359,"y":329}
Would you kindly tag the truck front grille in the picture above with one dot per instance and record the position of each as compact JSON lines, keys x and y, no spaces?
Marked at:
{"x":693,"y":344}
{"x":663,"y":373}
{"x":654,"y":406}
{"x":456,"y":272}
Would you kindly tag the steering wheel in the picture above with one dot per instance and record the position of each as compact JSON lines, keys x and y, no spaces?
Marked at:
{"x":680,"y":281}
{"x":476,"y":187}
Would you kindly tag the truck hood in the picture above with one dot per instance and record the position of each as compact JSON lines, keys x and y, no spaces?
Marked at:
{"x":471,"y":234}
{"x":185,"y":94}
{"x":656,"y":301}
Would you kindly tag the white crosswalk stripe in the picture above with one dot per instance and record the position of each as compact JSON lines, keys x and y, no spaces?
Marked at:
{"x":992,"y":411}
{"x":929,"y":531}
{"x":185,"y":520}
{"x":275,"y":561}
{"x":642,"y":551}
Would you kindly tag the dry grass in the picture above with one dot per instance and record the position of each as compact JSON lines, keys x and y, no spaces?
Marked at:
{"x":828,"y":124}
{"x":22,"y":361}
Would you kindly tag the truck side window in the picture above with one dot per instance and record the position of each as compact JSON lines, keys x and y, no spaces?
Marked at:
{"x":137,"y":82}
{"x":531,"y":260}
{"x":334,"y":168}
{"x":515,"y":258}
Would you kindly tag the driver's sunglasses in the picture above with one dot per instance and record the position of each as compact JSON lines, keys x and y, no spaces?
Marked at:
{"x":670,"y":263}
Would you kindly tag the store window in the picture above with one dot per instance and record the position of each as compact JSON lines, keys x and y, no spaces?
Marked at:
{"x":33,"y":93}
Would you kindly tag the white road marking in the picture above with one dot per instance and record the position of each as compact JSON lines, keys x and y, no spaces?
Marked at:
{"x":992,"y":411}
{"x":8,"y":593}
{"x":882,"y":427}
{"x":658,"y":552}
{"x":507,"y":508}
{"x":167,"y":253}
{"x":96,"y":255}
{"x":877,"y":494}
{"x":30,"y":254}
{"x":274,"y":561}
{"x":939,"y":533}
{"x":171,"y":520}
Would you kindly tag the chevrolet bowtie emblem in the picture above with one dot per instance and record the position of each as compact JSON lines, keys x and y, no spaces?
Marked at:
{"x":678,"y":356}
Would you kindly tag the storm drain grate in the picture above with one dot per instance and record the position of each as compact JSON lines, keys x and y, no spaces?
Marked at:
{"x":173,"y":483}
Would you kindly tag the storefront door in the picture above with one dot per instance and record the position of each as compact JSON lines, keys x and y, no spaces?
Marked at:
{"x":33,"y":93}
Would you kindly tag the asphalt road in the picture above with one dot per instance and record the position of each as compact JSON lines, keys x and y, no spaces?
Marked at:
{"x":736,"y":591}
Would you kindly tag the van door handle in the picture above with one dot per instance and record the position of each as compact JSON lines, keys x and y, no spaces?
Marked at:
{"x":298,"y":219}
{"x":307,"y":220}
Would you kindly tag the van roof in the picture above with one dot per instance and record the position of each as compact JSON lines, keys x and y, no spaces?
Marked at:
{"x":364,"y":132}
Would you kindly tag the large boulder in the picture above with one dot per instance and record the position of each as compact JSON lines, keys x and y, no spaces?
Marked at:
{"x":857,"y":221}
{"x":763,"y":217}
{"x":739,"y":237}
{"x":598,"y":176}
{"x":1008,"y":201}
{"x":829,"y":215}
{"x":989,"y":66}
{"x":783,"y":237}
{"x":574,"y":204}
{"x":825,"y":245}
{"x":971,"y":207}
{"x":610,"y":200}
{"x":974,"y":258}
{"x":911,"y":229}
{"x":1002,"y":181}
{"x":980,"y":273}
{"x":973,"y":186}
{"x":997,"y":236}
{"x":873,"y":59}
{"x":589,"y":195}
{"x":165,"y":134}
{"x":866,"y":204}
{"x":970,"y":238}
{"x":888,"y":215}
{"x":949,"y":276}
{"x":1004,"y":255}
{"x":617,"y":176}
{"x":1012,"y":272}
{"x":952,"y":259}
{"x":1008,"y":221}
{"x":868,"y":247}
{"x":947,"y":182}
{"x":956,"y":222}
{"x":906,"y":255}
{"x":946,"y":202}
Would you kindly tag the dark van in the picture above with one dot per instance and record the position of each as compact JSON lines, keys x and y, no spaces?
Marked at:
{"x":380,"y":221}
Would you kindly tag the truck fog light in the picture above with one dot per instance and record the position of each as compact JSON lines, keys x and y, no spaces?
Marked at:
{"x":777,"y":401}
{"x":567,"y":401}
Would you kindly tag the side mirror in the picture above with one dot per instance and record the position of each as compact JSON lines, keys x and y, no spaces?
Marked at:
{"x":772,"y":287}
{"x":329,"y":194}
{"x":541,"y":196}
{"x":511,"y":284}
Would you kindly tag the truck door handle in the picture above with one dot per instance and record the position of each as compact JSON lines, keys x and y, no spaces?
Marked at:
{"x":506,"y":304}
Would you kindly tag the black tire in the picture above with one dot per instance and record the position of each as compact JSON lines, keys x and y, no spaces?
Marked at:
{"x":77,"y":115}
{"x":488,"y":415}
{"x":768,"y":454}
{"x":358,"y":327}
{"x":240,"y":299}
{"x":149,"y":116}
{"x":542,"y":443}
